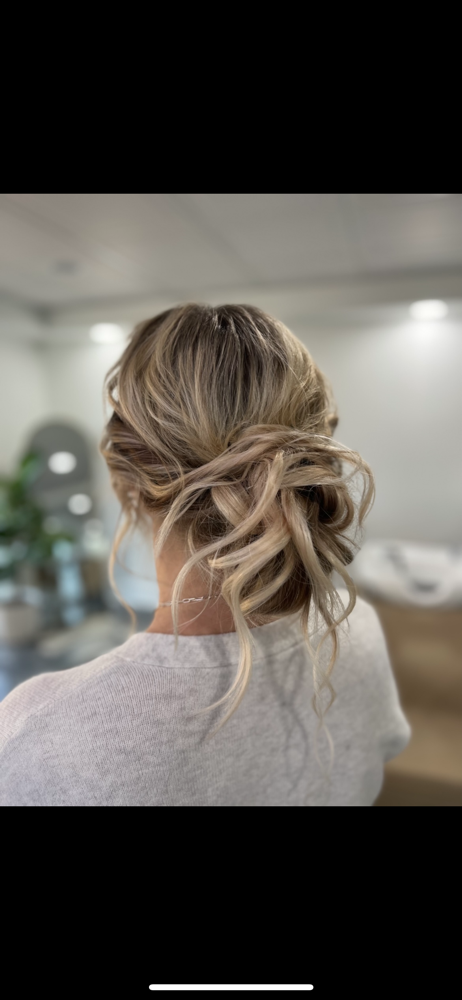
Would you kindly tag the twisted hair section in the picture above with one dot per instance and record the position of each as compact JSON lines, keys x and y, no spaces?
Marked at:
{"x":222,"y":431}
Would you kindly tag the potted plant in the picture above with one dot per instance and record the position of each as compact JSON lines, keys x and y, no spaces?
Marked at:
{"x":25,"y":544}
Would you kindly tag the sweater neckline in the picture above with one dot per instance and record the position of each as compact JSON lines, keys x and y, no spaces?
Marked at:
{"x":218,"y":649}
{"x":192,"y":650}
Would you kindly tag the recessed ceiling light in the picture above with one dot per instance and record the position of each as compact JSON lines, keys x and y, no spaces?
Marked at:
{"x":62,"y":462}
{"x":107,"y":333}
{"x":428,"y":309}
{"x":79,"y":503}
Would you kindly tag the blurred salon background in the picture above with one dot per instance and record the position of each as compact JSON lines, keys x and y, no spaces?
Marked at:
{"x":371,"y":283}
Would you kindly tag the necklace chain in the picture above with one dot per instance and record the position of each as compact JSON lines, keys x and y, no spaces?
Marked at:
{"x":185,"y":600}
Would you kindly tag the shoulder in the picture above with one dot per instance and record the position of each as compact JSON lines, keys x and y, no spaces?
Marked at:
{"x":362,"y":609}
{"x":363,"y":624}
{"x":35,"y":698}
{"x":363,"y":650}
{"x":366,"y":672}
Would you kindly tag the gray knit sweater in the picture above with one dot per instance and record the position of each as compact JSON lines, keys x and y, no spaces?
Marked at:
{"x":120,"y":731}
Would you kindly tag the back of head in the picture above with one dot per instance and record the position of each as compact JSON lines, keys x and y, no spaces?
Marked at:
{"x":221,"y":432}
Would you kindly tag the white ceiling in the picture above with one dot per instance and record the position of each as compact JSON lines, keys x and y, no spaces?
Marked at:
{"x":62,"y":250}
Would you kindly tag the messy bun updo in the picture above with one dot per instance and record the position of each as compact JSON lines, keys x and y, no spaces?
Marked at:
{"x":222,"y":427}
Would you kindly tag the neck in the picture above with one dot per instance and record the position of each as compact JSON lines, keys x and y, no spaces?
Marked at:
{"x":210,"y":617}
{"x":205,"y":618}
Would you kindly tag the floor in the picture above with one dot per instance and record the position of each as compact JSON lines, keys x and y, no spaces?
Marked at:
{"x":426,"y":653}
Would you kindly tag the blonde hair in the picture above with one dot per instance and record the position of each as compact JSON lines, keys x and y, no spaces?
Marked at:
{"x":222,"y":428}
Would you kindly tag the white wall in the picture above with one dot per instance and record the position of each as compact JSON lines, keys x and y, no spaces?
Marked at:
{"x":398,"y":390}
{"x":75,"y":376}
{"x":23,"y":398}
{"x":39,"y":383}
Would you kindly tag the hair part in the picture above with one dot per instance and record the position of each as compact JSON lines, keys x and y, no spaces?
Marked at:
{"x":222,"y":428}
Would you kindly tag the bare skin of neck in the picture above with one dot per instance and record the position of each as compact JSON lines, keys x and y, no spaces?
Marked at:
{"x":205,"y":618}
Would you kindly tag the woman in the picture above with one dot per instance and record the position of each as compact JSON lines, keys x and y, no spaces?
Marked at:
{"x":220,"y":447}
